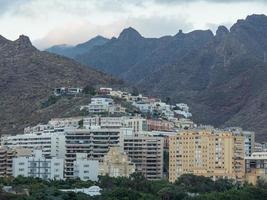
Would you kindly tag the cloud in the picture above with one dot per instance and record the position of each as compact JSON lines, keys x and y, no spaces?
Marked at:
{"x":50,"y":22}
{"x":77,"y":32}
{"x":211,"y":1}
{"x":7,"y":5}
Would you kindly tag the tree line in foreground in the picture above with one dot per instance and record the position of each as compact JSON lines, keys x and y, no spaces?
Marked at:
{"x":187,"y":187}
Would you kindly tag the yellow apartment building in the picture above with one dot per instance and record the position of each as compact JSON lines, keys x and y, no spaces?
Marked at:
{"x":207,"y":152}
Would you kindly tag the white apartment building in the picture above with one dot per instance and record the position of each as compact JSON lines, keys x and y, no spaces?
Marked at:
{"x":144,"y":107}
{"x":66,"y":123}
{"x":38,"y":166}
{"x":55,"y":125}
{"x":51,"y":144}
{"x":94,"y":142}
{"x":67,"y":91}
{"x":103,"y":122}
{"x":138,"y":124}
{"x":84,"y":168}
{"x":100,"y":105}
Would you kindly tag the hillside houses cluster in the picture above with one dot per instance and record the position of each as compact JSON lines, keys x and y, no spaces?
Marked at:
{"x":97,"y":144}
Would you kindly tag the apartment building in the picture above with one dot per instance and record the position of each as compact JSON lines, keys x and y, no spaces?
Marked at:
{"x":52,"y":144}
{"x":249,"y":142}
{"x":67,"y":91}
{"x":256,"y":167}
{"x":94,"y":142}
{"x":84,"y":168}
{"x":38,"y":166}
{"x":116,"y":164}
{"x":6,"y":156}
{"x":183,"y":123}
{"x":138,"y":124}
{"x":164,"y":134}
{"x":146,"y":153}
{"x":207,"y":152}
{"x":67,"y":123}
{"x":159,"y":125}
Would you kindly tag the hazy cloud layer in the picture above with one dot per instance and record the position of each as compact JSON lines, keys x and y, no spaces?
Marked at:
{"x":50,"y":22}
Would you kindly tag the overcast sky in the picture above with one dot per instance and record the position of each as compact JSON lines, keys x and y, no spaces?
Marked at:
{"x":49,"y":22}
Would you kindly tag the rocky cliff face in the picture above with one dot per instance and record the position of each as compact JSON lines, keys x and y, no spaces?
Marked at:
{"x":28,"y":77}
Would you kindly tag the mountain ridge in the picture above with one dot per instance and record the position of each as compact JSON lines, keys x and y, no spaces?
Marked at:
{"x":28,"y":77}
{"x":222,"y":77}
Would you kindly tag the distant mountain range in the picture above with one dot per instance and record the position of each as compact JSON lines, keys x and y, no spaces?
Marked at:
{"x":223,"y":77}
{"x":28,"y":77}
{"x":74,"y":51}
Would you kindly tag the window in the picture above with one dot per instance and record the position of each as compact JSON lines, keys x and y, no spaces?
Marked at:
{"x":21,"y":169}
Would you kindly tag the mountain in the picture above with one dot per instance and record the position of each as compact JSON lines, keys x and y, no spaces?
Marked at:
{"x":28,"y":77}
{"x":73,"y":51}
{"x":223,"y":77}
{"x":119,"y":54}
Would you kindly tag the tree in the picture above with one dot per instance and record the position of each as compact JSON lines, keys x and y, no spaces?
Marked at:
{"x":89,"y":90}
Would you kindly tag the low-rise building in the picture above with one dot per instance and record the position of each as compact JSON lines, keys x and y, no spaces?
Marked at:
{"x":116,"y":164}
{"x":67,"y":91}
{"x":159,"y":125}
{"x":104,"y":91}
{"x":183,"y":123}
{"x":258,"y":147}
{"x":256,"y":167}
{"x":84,"y":168}
{"x":100,"y":105}
{"x":92,"y":191}
{"x":38,"y":166}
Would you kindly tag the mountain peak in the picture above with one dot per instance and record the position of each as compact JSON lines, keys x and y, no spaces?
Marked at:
{"x":255,"y":17}
{"x":251,"y":20}
{"x":221,"y":31}
{"x":130,"y":33}
{"x":24,"y":41}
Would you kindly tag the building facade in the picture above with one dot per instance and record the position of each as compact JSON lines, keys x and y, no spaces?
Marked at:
{"x":52,"y":144}
{"x":147,"y":154}
{"x":84,"y":168}
{"x":38,"y":166}
{"x":207,"y":152}
{"x":256,"y":167}
{"x":6,"y":156}
{"x":94,"y":142}
{"x":116,"y":164}
{"x":159,"y":125}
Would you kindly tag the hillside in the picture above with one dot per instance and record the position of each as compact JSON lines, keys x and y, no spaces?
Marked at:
{"x":28,"y":77}
{"x":222,"y":77}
